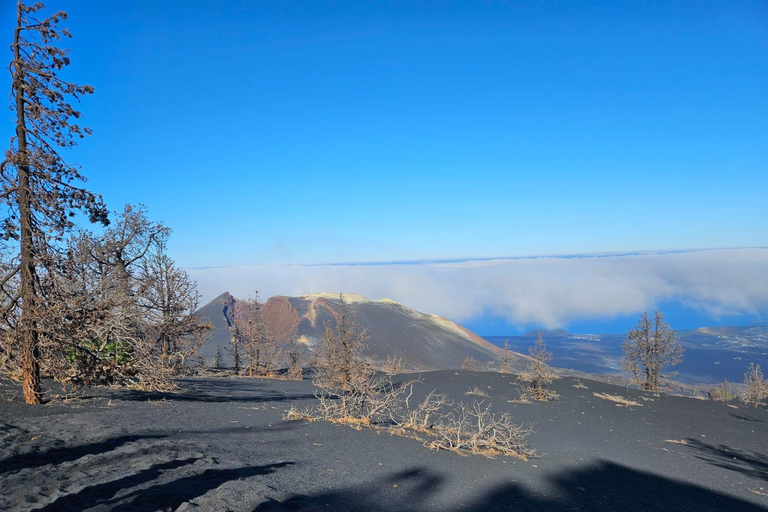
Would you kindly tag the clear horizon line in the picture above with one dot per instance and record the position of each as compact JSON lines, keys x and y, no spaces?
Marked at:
{"x":585,"y":255}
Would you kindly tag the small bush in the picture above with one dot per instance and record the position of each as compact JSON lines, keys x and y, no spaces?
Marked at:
{"x":475,"y":429}
{"x":476,"y":391}
{"x":755,"y":386}
{"x":393,"y":366}
{"x":618,"y":400}
{"x":722,"y":393}
{"x":538,"y":374}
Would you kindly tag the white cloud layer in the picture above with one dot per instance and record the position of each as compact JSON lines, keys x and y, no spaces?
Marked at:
{"x":547,"y":291}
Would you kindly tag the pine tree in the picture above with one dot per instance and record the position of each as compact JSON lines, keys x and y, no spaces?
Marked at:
{"x":37,"y":184}
{"x":538,"y":373}
{"x":340,"y":361}
{"x":260,"y":348}
{"x":651,"y":347}
{"x":755,"y":386}
{"x":505,"y":359}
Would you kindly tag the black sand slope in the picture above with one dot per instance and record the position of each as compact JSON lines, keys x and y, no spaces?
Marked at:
{"x":222,"y":445}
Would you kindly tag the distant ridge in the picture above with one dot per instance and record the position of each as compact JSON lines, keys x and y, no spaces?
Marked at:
{"x":423,"y":341}
{"x":552,"y":333}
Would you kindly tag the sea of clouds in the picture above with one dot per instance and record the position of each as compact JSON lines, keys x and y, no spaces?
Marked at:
{"x":545,"y":291}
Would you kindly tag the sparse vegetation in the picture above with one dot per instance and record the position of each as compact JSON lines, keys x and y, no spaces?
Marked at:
{"x":295,"y":369}
{"x":755,"y":386}
{"x":505,"y":367}
{"x":370,"y":400}
{"x":649,"y":349}
{"x":538,"y":373}
{"x":476,"y":391}
{"x":723,"y":392}
{"x":340,"y":363}
{"x":393,"y":365}
{"x":469,"y":364}
{"x":618,"y":400}
{"x":359,"y":398}
{"x":235,"y":342}
{"x":475,"y":429}
{"x":423,"y":417}
{"x":579,"y":385}
{"x":380,"y":402}
{"x":262,"y":353}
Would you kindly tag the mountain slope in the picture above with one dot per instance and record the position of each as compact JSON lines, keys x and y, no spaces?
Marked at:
{"x":423,"y":341}
{"x":219,"y":313}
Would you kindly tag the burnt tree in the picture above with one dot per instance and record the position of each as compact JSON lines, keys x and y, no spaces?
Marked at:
{"x":649,"y":349}
{"x":38,"y":186}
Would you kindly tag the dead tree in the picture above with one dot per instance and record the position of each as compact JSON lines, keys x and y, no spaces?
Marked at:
{"x":261,"y":350}
{"x":505,"y":367}
{"x":469,"y":364}
{"x":755,"y":386}
{"x":538,"y":374}
{"x":235,"y":342}
{"x":128,"y":243}
{"x":649,"y":349}
{"x":722,"y":393}
{"x":170,"y":301}
{"x":393,"y":365}
{"x":37,"y":184}
{"x":217,"y":359}
{"x":340,"y":359}
{"x":295,"y":370}
{"x":115,"y":297}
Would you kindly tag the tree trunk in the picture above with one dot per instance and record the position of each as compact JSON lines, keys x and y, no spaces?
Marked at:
{"x":27,"y":323}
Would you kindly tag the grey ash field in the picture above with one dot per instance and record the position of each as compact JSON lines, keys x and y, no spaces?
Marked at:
{"x":221,"y":444}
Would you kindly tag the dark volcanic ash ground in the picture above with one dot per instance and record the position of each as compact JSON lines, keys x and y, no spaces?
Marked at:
{"x":222,"y":445}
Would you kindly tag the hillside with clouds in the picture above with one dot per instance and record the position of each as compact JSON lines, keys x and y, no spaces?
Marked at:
{"x":549,"y":292}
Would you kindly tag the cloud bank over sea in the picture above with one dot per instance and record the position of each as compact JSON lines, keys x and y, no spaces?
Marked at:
{"x":546,"y":291}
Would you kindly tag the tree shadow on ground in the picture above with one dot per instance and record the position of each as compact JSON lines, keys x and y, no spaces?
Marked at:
{"x":752,"y":464}
{"x":746,"y":417}
{"x":56,"y":456}
{"x":122,"y":495}
{"x":215,"y":392}
{"x":601,"y":486}
{"x":171,"y":495}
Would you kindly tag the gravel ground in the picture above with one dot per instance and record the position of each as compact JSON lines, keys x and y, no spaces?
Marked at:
{"x":221,"y":445}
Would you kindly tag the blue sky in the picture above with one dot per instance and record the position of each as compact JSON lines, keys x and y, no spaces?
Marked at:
{"x":271,"y":133}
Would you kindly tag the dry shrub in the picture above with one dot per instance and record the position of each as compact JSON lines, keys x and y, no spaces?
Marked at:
{"x":475,"y":429}
{"x":393,"y":365}
{"x":755,"y":386}
{"x":538,"y":374}
{"x":339,"y":362}
{"x":579,"y":385}
{"x":469,"y":364}
{"x":295,"y":369}
{"x":618,"y":400}
{"x":422,"y":418}
{"x":295,"y":372}
{"x":505,"y":366}
{"x":476,"y":391}
{"x":722,"y":393}
{"x":351,"y":393}
{"x":651,"y":347}
{"x":380,"y":402}
{"x":367,"y":400}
